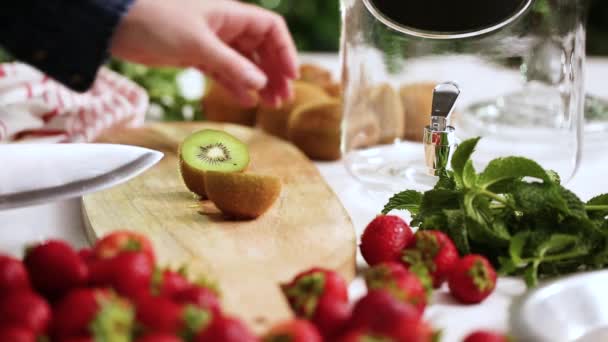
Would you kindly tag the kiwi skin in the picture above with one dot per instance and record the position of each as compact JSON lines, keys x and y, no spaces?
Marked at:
{"x":193,"y":177}
{"x":219,"y":106}
{"x":242,"y":195}
{"x":274,"y":121}
{"x":315,"y":129}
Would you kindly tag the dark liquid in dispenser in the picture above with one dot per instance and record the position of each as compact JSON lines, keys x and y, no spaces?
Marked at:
{"x":449,"y":15}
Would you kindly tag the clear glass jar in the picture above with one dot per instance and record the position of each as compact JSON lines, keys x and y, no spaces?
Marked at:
{"x":519,"y":64}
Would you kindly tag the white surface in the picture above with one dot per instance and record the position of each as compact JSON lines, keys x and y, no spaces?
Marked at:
{"x":62,"y":220}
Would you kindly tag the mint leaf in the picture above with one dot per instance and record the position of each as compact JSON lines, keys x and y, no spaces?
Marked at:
{"x":576,"y":206}
{"x":554,"y":176}
{"x":457,"y":230}
{"x":509,"y":168}
{"x":599,"y":200}
{"x":461,"y":156}
{"x":516,"y":248}
{"x":537,"y":197}
{"x":409,"y":200}
{"x":440,"y":199}
{"x":469,"y":176}
{"x":446,"y":181}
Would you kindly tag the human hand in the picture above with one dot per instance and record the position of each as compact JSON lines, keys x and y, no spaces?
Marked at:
{"x":243,"y":47}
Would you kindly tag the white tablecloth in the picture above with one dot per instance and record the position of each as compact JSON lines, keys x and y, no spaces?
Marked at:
{"x":62,"y":220}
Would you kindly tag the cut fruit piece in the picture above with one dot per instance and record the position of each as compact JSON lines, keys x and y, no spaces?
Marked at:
{"x":315,"y":129}
{"x":242,"y":195}
{"x":219,"y":105}
{"x":210,"y":150}
{"x":274,"y":121}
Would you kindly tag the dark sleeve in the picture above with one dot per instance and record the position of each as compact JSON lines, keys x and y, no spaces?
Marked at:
{"x":66,"y":39}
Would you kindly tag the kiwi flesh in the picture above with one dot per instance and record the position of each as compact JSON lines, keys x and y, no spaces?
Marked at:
{"x":219,"y":105}
{"x":274,"y":120}
{"x":315,"y":129}
{"x":242,"y":195}
{"x":210,"y":150}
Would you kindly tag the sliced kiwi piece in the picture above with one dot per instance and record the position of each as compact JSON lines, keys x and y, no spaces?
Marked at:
{"x":315,"y":129}
{"x":210,"y":150}
{"x":242,"y":195}
{"x":274,"y":120}
{"x":219,"y":105}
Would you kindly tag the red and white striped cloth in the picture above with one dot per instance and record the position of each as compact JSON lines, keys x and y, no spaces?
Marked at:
{"x":35,"y":108}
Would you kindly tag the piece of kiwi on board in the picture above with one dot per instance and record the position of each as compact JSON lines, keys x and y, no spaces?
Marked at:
{"x":210,"y":150}
{"x":242,"y":195}
{"x":274,"y":120}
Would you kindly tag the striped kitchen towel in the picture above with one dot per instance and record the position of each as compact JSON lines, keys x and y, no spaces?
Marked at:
{"x":35,"y":108}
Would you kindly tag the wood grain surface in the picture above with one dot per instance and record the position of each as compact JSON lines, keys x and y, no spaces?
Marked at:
{"x":307,"y":226}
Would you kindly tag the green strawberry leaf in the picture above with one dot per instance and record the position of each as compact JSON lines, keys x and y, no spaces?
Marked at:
{"x":409,"y":200}
{"x":509,"y":168}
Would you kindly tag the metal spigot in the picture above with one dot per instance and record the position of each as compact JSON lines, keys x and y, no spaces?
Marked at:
{"x":439,"y":137}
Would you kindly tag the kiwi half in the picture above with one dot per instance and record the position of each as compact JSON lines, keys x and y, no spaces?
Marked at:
{"x":210,"y":150}
{"x":242,"y":195}
{"x":219,"y":105}
{"x":315,"y":129}
{"x":274,"y":121}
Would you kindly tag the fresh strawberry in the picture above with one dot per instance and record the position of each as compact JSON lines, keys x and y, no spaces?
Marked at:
{"x":486,"y":336}
{"x":25,"y":309}
{"x":472,"y":279}
{"x":379,"y":312}
{"x":93,"y":313}
{"x":16,"y":334}
{"x":226,"y":329}
{"x":413,"y":330}
{"x":13,"y":275}
{"x":131,"y":273}
{"x":159,"y":337}
{"x":55,"y":268}
{"x":435,"y":252}
{"x":167,"y":282}
{"x":86,"y":254}
{"x":361,"y":336}
{"x":78,"y":339}
{"x":160,"y":314}
{"x":331,"y":316}
{"x":399,"y":282}
{"x":384,"y":238}
{"x":124,"y":241}
{"x":307,"y":288}
{"x":319,"y":295}
{"x":201,"y":297}
{"x":293,"y":331}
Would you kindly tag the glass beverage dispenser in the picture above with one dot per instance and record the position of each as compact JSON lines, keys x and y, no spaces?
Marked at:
{"x":517,"y":66}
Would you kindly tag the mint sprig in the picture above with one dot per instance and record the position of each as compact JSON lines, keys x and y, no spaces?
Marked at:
{"x":514,"y":212}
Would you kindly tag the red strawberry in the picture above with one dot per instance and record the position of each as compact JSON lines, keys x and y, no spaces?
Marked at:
{"x":384,"y":238}
{"x":55,"y":268}
{"x":13,"y":275}
{"x":92,"y":312}
{"x":413,"y":330}
{"x":167,"y":282}
{"x":25,"y":309}
{"x":321,"y":296}
{"x":78,"y":339}
{"x":435,"y":251}
{"x":379,"y":312}
{"x":331,"y":316}
{"x":226,"y":329}
{"x":86,"y":254}
{"x":159,"y":337}
{"x":307,"y":289}
{"x":360,"y":336}
{"x":16,"y":334}
{"x":131,"y":273}
{"x":201,"y":297}
{"x":399,"y":282}
{"x":124,"y":241}
{"x":486,"y":336}
{"x":294,"y":331}
{"x":472,"y":279}
{"x":160,"y":314}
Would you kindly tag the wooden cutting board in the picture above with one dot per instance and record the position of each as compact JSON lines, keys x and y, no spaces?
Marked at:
{"x":307,"y":226}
